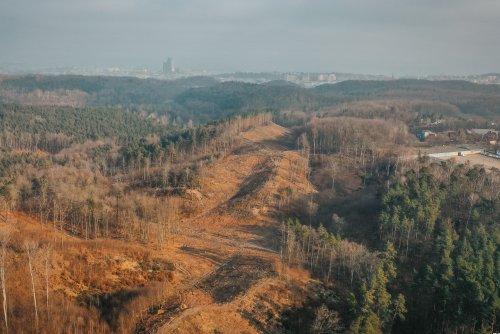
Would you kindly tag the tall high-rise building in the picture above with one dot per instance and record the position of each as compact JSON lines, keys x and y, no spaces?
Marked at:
{"x":168,"y":67}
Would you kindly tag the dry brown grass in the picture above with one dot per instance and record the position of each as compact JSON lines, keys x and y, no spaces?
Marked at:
{"x":271,"y":132}
{"x":79,"y":273}
{"x":240,"y":195}
{"x":221,"y":272}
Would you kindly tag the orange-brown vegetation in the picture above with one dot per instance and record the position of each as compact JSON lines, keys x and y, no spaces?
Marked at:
{"x":220,"y":264}
{"x":111,"y":222}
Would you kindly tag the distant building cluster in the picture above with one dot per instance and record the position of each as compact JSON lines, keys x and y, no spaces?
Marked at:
{"x":490,"y":136}
{"x":488,"y":79}
{"x":168,"y":70}
{"x":426,"y":135}
{"x":310,"y":79}
{"x":485,"y":79}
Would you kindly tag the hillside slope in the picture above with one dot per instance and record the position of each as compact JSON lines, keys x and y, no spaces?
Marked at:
{"x":236,"y":236}
{"x":223,"y":263}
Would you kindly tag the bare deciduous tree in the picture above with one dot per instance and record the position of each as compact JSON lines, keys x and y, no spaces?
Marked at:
{"x":31,"y":248}
{"x":46,"y":253}
{"x":4,"y":240}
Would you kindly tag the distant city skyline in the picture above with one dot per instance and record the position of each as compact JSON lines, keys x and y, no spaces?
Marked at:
{"x":167,"y":70}
{"x":400,"y":37}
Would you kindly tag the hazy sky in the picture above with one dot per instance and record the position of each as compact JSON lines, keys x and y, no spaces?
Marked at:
{"x":361,"y":36}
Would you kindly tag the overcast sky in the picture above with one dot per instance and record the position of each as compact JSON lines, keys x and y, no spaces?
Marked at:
{"x":361,"y":36}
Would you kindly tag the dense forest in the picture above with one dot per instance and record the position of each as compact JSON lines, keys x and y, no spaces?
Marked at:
{"x":432,"y":261}
{"x":444,"y":222}
{"x":107,"y":91}
{"x":202,"y":99}
{"x":53,"y":128}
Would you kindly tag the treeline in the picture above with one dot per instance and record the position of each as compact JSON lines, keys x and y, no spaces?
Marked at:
{"x":342,"y":134}
{"x":367,"y":146}
{"x":172,"y":162}
{"x":439,"y":97}
{"x":212,"y":138}
{"x":417,"y":114}
{"x":106,"y":91}
{"x":443,"y":220}
{"x":470,"y":98}
{"x":235,"y":97}
{"x":410,"y":111}
{"x":203,"y":99}
{"x":326,"y":254}
{"x":54,"y":128}
{"x":94,"y":189}
{"x":372,"y":305}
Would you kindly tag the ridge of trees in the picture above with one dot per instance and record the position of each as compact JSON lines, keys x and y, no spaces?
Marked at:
{"x":53,"y":128}
{"x":109,"y":91}
{"x":202,"y":99}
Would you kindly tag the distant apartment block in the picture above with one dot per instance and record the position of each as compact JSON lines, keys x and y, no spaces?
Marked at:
{"x":310,"y":79}
{"x":169,"y":67}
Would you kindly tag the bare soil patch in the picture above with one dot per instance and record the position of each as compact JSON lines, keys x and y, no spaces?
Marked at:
{"x":235,"y":277}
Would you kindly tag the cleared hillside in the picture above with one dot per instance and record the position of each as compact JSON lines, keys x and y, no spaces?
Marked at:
{"x":222,"y":264}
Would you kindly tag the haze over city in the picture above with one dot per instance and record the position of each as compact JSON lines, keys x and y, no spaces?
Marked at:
{"x":400,"y":37}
